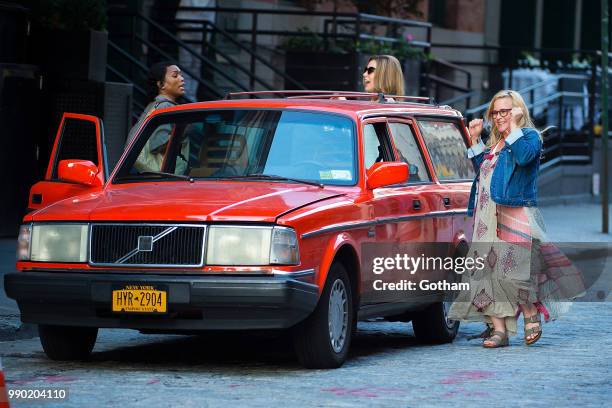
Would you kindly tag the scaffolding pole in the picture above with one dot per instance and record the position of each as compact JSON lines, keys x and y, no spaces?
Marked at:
{"x":604,"y":113}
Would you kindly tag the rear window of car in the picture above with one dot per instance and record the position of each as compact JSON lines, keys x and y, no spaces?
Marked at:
{"x":447,"y":150}
{"x":217,"y":144}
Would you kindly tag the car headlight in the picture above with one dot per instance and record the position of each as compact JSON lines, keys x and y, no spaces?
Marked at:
{"x":59,"y":242}
{"x":251,"y":246}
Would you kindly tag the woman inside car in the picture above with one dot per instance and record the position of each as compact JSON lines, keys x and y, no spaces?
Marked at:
{"x":517,"y":273}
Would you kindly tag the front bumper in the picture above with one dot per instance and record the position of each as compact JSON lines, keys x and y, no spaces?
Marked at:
{"x":195,"y":302}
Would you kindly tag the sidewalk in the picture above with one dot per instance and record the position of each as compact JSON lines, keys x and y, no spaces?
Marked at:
{"x":575,"y":223}
{"x":564,"y":223}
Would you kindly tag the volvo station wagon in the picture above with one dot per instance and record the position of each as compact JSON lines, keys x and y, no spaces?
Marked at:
{"x":261,"y":211}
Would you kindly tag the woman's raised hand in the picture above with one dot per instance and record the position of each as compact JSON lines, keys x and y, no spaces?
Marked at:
{"x":475,"y":129}
{"x":517,"y":114}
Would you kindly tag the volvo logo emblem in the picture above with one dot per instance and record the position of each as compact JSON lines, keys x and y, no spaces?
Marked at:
{"x":145,"y":243}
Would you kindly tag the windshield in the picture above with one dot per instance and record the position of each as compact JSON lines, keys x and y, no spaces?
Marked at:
{"x":218,"y":144}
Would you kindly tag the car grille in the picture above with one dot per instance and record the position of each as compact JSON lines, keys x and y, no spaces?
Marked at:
{"x":147,"y":245}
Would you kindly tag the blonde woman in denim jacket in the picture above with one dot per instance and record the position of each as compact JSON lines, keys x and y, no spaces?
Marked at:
{"x":509,"y":231}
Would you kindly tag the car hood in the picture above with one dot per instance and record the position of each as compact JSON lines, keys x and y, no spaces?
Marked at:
{"x":184,"y":201}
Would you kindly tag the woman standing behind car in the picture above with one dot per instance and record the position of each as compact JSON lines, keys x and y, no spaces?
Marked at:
{"x":517,"y":274}
{"x":383,"y":74}
{"x":165,"y":86}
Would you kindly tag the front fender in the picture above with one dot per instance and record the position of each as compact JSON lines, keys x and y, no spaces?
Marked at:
{"x":334,"y":244}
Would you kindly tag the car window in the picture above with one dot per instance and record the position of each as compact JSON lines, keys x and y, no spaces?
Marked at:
{"x":375,"y":144}
{"x":78,"y":141}
{"x":234,"y":143}
{"x":409,"y":152}
{"x":447,"y":150}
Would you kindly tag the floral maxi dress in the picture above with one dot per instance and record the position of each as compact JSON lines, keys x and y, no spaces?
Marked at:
{"x":520,"y":267}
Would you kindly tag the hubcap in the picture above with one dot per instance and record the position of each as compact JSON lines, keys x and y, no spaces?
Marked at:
{"x":338,"y":315}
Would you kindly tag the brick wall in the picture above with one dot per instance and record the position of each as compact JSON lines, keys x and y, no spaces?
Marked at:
{"x":465,"y":15}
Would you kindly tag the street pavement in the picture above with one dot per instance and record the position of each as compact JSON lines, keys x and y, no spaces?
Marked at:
{"x":569,"y":366}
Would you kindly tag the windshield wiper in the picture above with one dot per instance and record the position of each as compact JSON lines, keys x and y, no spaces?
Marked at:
{"x":273,"y":177}
{"x":162,"y":174}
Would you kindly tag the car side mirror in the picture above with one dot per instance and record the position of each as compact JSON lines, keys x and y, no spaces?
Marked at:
{"x":386,"y":173}
{"x":79,"y":171}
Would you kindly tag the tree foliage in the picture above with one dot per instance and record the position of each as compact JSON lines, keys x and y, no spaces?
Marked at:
{"x":70,"y":15}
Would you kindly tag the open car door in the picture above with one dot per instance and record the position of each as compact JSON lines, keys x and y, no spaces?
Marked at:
{"x":77,"y":164}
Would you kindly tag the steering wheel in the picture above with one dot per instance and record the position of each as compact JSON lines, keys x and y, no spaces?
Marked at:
{"x":314,"y":167}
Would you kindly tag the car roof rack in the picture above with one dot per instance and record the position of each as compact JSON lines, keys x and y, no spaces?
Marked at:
{"x":318,"y":94}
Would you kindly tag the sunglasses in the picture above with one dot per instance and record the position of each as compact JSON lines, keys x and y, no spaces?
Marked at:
{"x":369,"y":70}
{"x":502,"y":113}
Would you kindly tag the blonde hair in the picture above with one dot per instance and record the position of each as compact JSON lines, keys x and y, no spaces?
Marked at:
{"x":388,"y":76}
{"x":517,"y":102}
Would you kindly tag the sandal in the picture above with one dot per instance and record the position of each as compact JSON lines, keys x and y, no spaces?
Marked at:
{"x":488,"y":332}
{"x":534,"y":330}
{"x":499,"y":339}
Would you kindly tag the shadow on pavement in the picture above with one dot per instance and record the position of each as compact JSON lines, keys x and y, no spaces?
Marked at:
{"x":240,"y":349}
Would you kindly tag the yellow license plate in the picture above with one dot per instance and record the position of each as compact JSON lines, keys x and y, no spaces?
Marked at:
{"x":140,"y":299}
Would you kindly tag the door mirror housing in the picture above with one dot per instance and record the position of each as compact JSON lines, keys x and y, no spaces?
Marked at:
{"x":386,"y":173}
{"x":79,"y":171}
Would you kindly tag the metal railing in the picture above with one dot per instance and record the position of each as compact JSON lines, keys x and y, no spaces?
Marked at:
{"x":137,"y":40}
{"x":352,"y":27}
{"x":209,"y":28}
{"x":337,"y":26}
{"x":434,"y":82}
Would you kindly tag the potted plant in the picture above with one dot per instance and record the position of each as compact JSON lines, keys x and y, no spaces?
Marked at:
{"x":320,"y":64}
{"x":69,"y":39}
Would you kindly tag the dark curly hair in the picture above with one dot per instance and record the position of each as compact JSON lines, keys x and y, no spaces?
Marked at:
{"x":157,"y":73}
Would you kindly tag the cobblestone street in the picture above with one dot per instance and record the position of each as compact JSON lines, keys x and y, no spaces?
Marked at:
{"x":386,"y":368}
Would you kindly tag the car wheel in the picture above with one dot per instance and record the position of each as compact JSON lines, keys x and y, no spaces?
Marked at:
{"x":323,"y":339}
{"x":67,"y":343}
{"x":433,"y":326}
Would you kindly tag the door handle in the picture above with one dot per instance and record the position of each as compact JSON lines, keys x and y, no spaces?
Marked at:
{"x":372,"y":232}
{"x":446,"y":201}
{"x":416,"y":204}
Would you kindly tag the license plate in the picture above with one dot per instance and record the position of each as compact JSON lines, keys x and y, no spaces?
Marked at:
{"x":140,"y":299}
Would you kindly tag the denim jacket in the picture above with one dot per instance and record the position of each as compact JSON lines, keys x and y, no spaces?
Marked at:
{"x":515,"y":177}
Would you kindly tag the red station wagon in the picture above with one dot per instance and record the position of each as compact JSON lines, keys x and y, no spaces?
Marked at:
{"x":244,"y":214}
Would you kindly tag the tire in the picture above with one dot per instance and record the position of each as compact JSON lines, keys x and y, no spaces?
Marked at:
{"x":324,"y":338}
{"x":432,"y":327}
{"x":66,"y":342}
